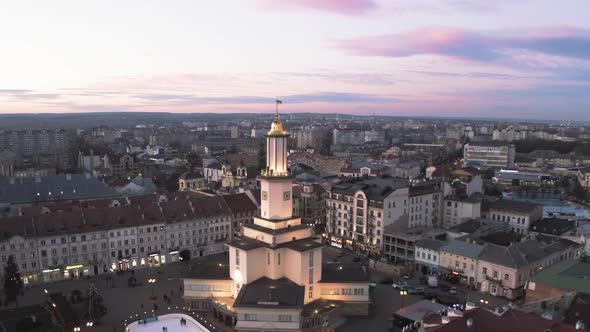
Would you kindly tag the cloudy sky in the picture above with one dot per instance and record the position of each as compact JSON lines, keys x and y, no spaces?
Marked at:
{"x":502,"y":58}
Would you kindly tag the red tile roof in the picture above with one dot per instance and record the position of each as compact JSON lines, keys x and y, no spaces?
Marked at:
{"x":483,"y":320}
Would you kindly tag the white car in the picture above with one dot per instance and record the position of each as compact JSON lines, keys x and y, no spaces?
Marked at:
{"x":399,"y":284}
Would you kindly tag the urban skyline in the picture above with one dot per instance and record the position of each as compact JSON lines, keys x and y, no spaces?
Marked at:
{"x":363,"y":57}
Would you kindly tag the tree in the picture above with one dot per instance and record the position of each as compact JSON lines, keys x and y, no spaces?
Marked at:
{"x":96,"y":308}
{"x":12,"y":280}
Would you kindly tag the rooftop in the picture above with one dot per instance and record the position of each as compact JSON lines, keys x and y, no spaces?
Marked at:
{"x":268,"y":293}
{"x":53,"y":188}
{"x":214,"y":267}
{"x":552,"y":226}
{"x":571,"y":275}
{"x":430,"y":244}
{"x":417,"y":311}
{"x":482,"y":320}
{"x":514,"y":206}
{"x":374,"y":188}
{"x":461,"y":248}
{"x":523,"y":253}
{"x":344,"y":273}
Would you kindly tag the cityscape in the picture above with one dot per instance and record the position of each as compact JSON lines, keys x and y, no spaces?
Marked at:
{"x":314,"y":166}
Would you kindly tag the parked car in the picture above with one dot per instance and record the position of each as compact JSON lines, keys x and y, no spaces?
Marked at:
{"x":399,"y":284}
{"x":453,"y":290}
{"x":408,"y":276}
{"x":356,"y":259}
{"x":416,"y":290}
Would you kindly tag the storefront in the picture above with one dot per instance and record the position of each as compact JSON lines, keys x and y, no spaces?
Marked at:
{"x":75,"y":271}
{"x":51,"y":275}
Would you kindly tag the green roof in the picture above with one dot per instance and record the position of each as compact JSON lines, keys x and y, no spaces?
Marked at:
{"x":570,"y":275}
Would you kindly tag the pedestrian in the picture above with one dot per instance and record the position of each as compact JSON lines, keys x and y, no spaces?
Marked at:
{"x":142,"y":306}
{"x":163,"y":328}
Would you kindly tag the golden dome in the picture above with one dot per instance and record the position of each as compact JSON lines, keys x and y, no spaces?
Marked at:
{"x":276,"y":128}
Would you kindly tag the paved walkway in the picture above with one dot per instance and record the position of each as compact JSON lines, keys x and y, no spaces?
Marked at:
{"x":124,"y":304}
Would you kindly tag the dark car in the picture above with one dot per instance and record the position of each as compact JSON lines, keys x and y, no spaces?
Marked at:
{"x":416,"y":290}
{"x":445,"y":288}
{"x":356,"y":259}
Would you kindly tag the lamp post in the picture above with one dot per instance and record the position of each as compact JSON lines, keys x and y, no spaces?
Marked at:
{"x":403,"y":293}
{"x":153,"y":282}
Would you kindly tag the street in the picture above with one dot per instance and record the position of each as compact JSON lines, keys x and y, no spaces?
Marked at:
{"x":388,"y":300}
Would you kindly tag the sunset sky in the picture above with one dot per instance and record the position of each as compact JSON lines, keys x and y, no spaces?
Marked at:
{"x":527,"y":59}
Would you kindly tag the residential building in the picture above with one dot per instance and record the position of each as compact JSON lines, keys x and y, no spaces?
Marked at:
{"x":504,"y":270}
{"x":489,"y":154}
{"x":399,"y":246}
{"x":88,"y":162}
{"x":407,"y":170}
{"x":309,"y":203}
{"x":72,"y":240}
{"x":37,"y":148}
{"x":519,"y":215}
{"x":358,"y":211}
{"x":120,"y":165}
{"x":243,"y":209}
{"x":425,"y":200}
{"x":458,"y":209}
{"x":427,"y":255}
{"x":458,"y":261}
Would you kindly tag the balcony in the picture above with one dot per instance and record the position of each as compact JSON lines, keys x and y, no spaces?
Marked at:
{"x":495,"y":280}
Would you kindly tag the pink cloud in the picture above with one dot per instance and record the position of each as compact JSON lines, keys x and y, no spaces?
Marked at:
{"x":483,"y":46}
{"x":345,"y":7}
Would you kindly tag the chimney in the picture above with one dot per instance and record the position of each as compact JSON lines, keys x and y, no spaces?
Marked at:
{"x":11,"y":180}
{"x":469,"y":306}
{"x":469,"y":322}
{"x":445,"y":319}
{"x":68,"y":176}
{"x":37,"y":179}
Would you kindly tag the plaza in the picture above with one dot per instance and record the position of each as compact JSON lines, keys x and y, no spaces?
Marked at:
{"x":168,"y":322}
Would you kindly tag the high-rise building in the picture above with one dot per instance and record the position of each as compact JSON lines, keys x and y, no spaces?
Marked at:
{"x":276,"y":278}
{"x":37,"y":148}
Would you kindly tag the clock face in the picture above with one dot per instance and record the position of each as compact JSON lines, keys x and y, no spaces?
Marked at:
{"x":287,"y":195}
{"x":265,"y":195}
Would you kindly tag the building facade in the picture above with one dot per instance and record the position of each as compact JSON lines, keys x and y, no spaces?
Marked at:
{"x":490,"y":154}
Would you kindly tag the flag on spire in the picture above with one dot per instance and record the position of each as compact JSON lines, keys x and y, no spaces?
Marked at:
{"x":278,"y":102}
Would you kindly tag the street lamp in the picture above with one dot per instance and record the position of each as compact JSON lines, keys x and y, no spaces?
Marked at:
{"x":403,"y":293}
{"x":153,"y":282}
